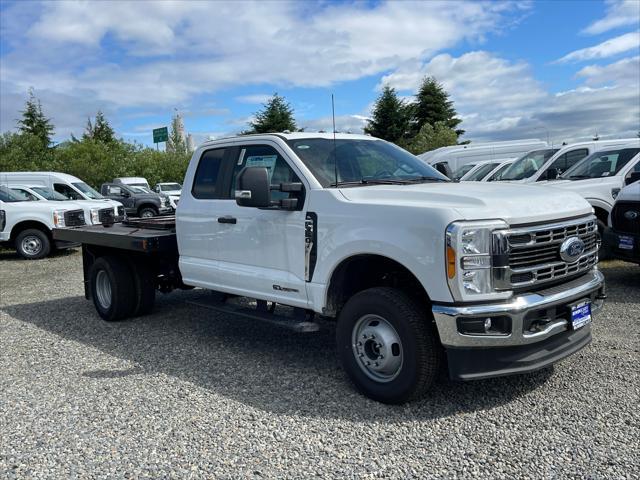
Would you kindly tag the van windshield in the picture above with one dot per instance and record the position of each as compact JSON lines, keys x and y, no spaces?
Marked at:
{"x":601,"y":164}
{"x":50,"y":194}
{"x":361,"y":162}
{"x":87,"y":190}
{"x":528,"y":164}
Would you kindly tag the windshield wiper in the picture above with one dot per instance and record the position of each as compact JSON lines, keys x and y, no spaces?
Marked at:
{"x":426,"y":179}
{"x":365,"y":181}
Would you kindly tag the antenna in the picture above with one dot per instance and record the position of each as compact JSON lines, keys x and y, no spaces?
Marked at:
{"x":335,"y":157}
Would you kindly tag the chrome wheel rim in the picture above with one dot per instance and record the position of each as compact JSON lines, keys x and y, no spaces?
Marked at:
{"x":377,"y":348}
{"x":147,"y":214}
{"x":31,"y":245}
{"x":103,"y":289}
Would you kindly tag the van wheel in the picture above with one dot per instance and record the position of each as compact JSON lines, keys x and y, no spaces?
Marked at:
{"x":112,"y":288}
{"x":147,"y":212}
{"x":387,"y":345}
{"x":33,"y":244}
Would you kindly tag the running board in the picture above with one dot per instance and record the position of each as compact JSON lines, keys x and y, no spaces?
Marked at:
{"x":297,"y":322}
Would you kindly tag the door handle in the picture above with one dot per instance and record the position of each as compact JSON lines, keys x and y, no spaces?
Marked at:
{"x":232,"y":220}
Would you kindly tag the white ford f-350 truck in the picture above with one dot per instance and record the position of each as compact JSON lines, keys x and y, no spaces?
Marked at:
{"x":419,"y":273}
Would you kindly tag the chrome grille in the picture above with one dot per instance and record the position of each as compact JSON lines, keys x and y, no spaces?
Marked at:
{"x":531,"y":255}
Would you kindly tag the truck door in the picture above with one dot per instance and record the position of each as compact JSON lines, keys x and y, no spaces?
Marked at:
{"x":119,"y":193}
{"x":258,"y":253}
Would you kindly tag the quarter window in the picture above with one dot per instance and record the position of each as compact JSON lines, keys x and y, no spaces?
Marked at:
{"x":206,"y":184}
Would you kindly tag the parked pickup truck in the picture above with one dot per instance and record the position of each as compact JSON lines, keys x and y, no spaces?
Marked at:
{"x":138,"y":201}
{"x":622,"y":237}
{"x":26,"y":226}
{"x":415,"y":269}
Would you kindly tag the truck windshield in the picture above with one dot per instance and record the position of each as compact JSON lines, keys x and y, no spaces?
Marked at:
{"x":463,"y":170}
{"x":50,"y":194}
{"x":9,"y":196}
{"x":481,"y":172}
{"x":601,"y":164}
{"x":528,"y":164}
{"x":361,"y":162}
{"x":87,"y":190}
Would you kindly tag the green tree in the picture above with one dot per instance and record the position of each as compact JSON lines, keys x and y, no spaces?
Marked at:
{"x":34,"y":122}
{"x":390,"y":117}
{"x":276,"y":116}
{"x":431,"y":137}
{"x":100,"y":130}
{"x":433,"y":105}
{"x":24,"y":152}
{"x":176,"y":142}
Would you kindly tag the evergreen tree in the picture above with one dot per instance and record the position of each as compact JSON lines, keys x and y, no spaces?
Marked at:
{"x":276,"y":116}
{"x":176,"y":142}
{"x":100,"y":130}
{"x":433,"y":105}
{"x":390,"y":119}
{"x":34,"y":122}
{"x":431,"y":137}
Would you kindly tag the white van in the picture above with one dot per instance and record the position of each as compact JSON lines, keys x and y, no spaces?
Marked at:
{"x":532,"y":168}
{"x":457,"y":155}
{"x":68,"y":185}
{"x":134,"y":181}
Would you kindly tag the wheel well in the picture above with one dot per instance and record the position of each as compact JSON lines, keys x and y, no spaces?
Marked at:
{"x":19,"y":227}
{"x":361,"y":272}
{"x":147,"y":205}
{"x":601,"y":214}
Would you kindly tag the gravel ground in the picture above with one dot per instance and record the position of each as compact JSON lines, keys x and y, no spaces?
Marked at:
{"x":188,"y":393}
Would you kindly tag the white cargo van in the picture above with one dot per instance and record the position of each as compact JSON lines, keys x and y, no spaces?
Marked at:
{"x":134,"y":181}
{"x":458,"y":155}
{"x":68,"y":185}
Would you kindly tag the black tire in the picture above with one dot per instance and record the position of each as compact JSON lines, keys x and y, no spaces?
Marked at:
{"x":144,"y":280}
{"x":420,"y":348}
{"x":147,"y":212}
{"x":32,"y":244}
{"x":121,"y":292}
{"x":604,"y":253}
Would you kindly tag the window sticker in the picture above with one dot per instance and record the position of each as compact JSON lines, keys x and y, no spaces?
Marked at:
{"x":268,"y":161}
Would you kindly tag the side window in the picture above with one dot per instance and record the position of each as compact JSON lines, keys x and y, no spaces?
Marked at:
{"x":265,"y":156}
{"x":574,"y":157}
{"x":24,"y":194}
{"x":113,"y":190}
{"x":206,"y":183}
{"x":67,"y":191}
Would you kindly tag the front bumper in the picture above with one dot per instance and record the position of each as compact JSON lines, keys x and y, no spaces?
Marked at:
{"x":5,"y":236}
{"x":540,"y":332}
{"x":611,"y":239}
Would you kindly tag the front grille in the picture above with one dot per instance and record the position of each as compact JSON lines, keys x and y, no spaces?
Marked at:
{"x":74,"y":218}
{"x":105,"y":215}
{"x":625,"y":217}
{"x":121,"y":211}
{"x":531,"y":256}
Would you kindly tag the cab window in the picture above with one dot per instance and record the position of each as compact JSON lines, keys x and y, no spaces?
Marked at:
{"x":206,"y":183}
{"x":67,"y":191}
{"x":569,"y":159}
{"x":277,"y":167}
{"x":113,"y":190}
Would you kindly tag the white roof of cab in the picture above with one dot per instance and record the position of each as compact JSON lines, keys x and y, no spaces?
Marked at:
{"x":293,"y":136}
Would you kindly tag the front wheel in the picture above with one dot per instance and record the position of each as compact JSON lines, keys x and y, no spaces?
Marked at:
{"x":147,"y":212}
{"x":33,"y":244}
{"x":387,"y":345}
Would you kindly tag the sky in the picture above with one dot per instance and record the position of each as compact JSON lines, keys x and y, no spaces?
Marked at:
{"x":562,"y":70}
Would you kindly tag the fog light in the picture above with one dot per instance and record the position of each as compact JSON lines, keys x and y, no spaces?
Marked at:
{"x":500,"y":325}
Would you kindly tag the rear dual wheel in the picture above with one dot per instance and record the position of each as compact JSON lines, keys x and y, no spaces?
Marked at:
{"x":121,"y":289}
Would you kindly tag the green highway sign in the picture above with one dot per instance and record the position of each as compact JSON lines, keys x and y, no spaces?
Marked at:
{"x":160,"y":134}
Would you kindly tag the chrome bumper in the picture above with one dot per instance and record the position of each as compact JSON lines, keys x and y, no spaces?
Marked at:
{"x":558,"y":298}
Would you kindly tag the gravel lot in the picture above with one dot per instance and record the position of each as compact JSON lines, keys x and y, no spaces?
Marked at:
{"x":190,"y":393}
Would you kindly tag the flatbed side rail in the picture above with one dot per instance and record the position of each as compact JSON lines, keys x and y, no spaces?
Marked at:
{"x":122,"y":237}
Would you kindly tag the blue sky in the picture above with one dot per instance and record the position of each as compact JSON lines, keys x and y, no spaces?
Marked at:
{"x":515,"y":69}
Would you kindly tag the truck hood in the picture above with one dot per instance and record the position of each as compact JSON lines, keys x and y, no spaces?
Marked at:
{"x":515,"y":204}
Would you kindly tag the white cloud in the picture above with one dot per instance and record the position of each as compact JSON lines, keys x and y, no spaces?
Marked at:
{"x":622,"y":72}
{"x":608,"y":48}
{"x":258,"y":98}
{"x":620,"y":13}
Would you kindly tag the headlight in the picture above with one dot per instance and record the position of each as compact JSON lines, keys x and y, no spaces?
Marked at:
{"x":469,"y":260}
{"x":58,"y":218}
{"x":95,"y":216}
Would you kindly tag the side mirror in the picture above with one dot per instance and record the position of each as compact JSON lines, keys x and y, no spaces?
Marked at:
{"x":632,"y":178}
{"x":552,"y":174}
{"x":253,"y":188}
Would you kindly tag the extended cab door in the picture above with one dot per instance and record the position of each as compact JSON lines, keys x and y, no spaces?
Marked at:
{"x":121,"y":194}
{"x":253,"y":252}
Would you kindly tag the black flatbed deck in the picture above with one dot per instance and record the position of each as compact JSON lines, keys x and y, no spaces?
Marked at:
{"x":144,"y":235}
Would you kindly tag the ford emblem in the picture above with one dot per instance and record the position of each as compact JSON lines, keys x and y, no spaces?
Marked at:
{"x":631,"y":215}
{"x":571,"y":249}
